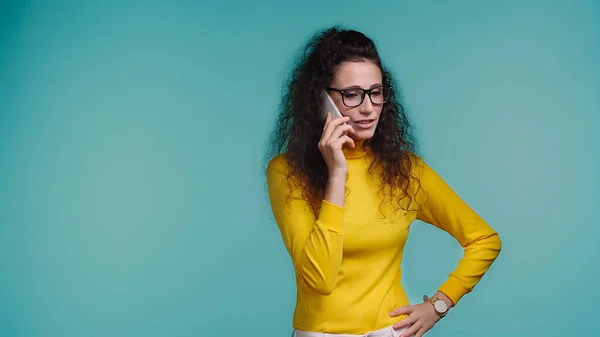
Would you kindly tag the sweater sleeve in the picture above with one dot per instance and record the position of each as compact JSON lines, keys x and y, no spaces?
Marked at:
{"x":314,"y":243}
{"x":443,"y":208}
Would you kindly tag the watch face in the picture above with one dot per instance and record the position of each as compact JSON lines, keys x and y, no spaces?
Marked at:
{"x":440,"y":306}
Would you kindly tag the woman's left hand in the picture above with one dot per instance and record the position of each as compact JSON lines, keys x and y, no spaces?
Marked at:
{"x":421,"y":318}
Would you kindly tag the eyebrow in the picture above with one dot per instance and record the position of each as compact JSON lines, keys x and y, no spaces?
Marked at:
{"x":358,"y":87}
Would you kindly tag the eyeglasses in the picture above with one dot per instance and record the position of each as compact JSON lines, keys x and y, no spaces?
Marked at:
{"x":355,"y":96}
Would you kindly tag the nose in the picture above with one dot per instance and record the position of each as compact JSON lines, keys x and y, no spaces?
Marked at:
{"x":366,"y":107}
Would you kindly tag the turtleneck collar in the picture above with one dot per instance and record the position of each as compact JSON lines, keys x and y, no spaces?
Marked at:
{"x":359,"y":150}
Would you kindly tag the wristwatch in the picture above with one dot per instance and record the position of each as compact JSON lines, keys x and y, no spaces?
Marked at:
{"x":440,"y":307}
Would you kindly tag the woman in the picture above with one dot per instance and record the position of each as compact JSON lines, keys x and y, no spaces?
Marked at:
{"x":344,"y":192}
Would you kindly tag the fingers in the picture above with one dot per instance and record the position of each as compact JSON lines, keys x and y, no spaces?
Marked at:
{"x":327,"y":120}
{"x":337,"y":143}
{"x":420,"y":319}
{"x":405,"y":310}
{"x":410,"y":332}
{"x":331,"y":125}
{"x":336,"y":138}
{"x":344,"y":140}
{"x":420,"y":333}
{"x":405,"y":323}
{"x":340,"y":131}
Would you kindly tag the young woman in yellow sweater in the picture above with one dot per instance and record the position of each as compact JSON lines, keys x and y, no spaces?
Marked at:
{"x":344,"y":192}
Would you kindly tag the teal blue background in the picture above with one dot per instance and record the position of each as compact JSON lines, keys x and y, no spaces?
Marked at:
{"x":132,"y":197}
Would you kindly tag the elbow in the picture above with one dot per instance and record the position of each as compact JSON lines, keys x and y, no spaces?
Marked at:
{"x":491,"y":243}
{"x":323,"y":290}
{"x":318,"y":275}
{"x":497,"y":244}
{"x":321,"y":285}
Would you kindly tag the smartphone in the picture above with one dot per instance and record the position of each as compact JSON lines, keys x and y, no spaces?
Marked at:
{"x":329,"y":106}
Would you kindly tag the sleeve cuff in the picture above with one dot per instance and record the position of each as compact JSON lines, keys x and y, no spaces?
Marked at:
{"x":331,"y":217}
{"x":454,"y":289}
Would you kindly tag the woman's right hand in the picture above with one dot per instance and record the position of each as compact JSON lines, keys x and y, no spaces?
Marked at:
{"x":335,"y":135}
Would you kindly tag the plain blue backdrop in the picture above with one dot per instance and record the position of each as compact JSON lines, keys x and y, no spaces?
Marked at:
{"x":132,"y":133}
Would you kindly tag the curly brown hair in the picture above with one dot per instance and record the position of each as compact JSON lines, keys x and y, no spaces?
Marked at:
{"x":299,"y":124}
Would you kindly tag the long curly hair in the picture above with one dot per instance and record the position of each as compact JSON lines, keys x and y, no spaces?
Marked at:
{"x":300,"y":124}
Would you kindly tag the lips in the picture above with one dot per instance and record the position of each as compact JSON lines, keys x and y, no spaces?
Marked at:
{"x":365,"y":123}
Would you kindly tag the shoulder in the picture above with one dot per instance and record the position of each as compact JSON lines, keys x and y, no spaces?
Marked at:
{"x":278,"y":169}
{"x":278,"y":164}
{"x":428,"y":179}
{"x":417,"y":164}
{"x":423,"y":179}
{"x":279,"y":179}
{"x":423,"y":172}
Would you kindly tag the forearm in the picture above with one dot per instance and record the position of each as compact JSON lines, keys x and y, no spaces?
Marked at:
{"x":319,"y":262}
{"x":321,"y":258}
{"x":322,"y":255}
{"x":335,"y":191}
{"x":315,"y":243}
{"x":478,"y":257}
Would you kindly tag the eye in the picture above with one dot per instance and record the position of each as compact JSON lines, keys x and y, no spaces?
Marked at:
{"x":350,"y":94}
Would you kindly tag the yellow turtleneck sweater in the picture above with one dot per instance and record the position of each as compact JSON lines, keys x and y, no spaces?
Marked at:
{"x":347,"y":259}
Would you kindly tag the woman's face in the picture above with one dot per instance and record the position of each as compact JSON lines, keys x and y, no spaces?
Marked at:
{"x":351,"y":79}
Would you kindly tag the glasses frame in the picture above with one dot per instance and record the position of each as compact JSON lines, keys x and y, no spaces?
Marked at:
{"x":365,"y":92}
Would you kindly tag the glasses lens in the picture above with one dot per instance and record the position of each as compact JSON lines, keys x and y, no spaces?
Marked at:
{"x":353,"y":97}
{"x":380,"y":95}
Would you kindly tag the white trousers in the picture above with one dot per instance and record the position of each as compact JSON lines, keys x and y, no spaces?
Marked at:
{"x":385,"y":332}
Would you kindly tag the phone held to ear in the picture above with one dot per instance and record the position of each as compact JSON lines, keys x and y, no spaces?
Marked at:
{"x":329,"y":106}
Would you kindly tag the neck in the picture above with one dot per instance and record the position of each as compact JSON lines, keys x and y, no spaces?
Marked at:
{"x":359,"y":150}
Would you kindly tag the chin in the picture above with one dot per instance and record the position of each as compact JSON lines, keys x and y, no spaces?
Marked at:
{"x":364,"y":134}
